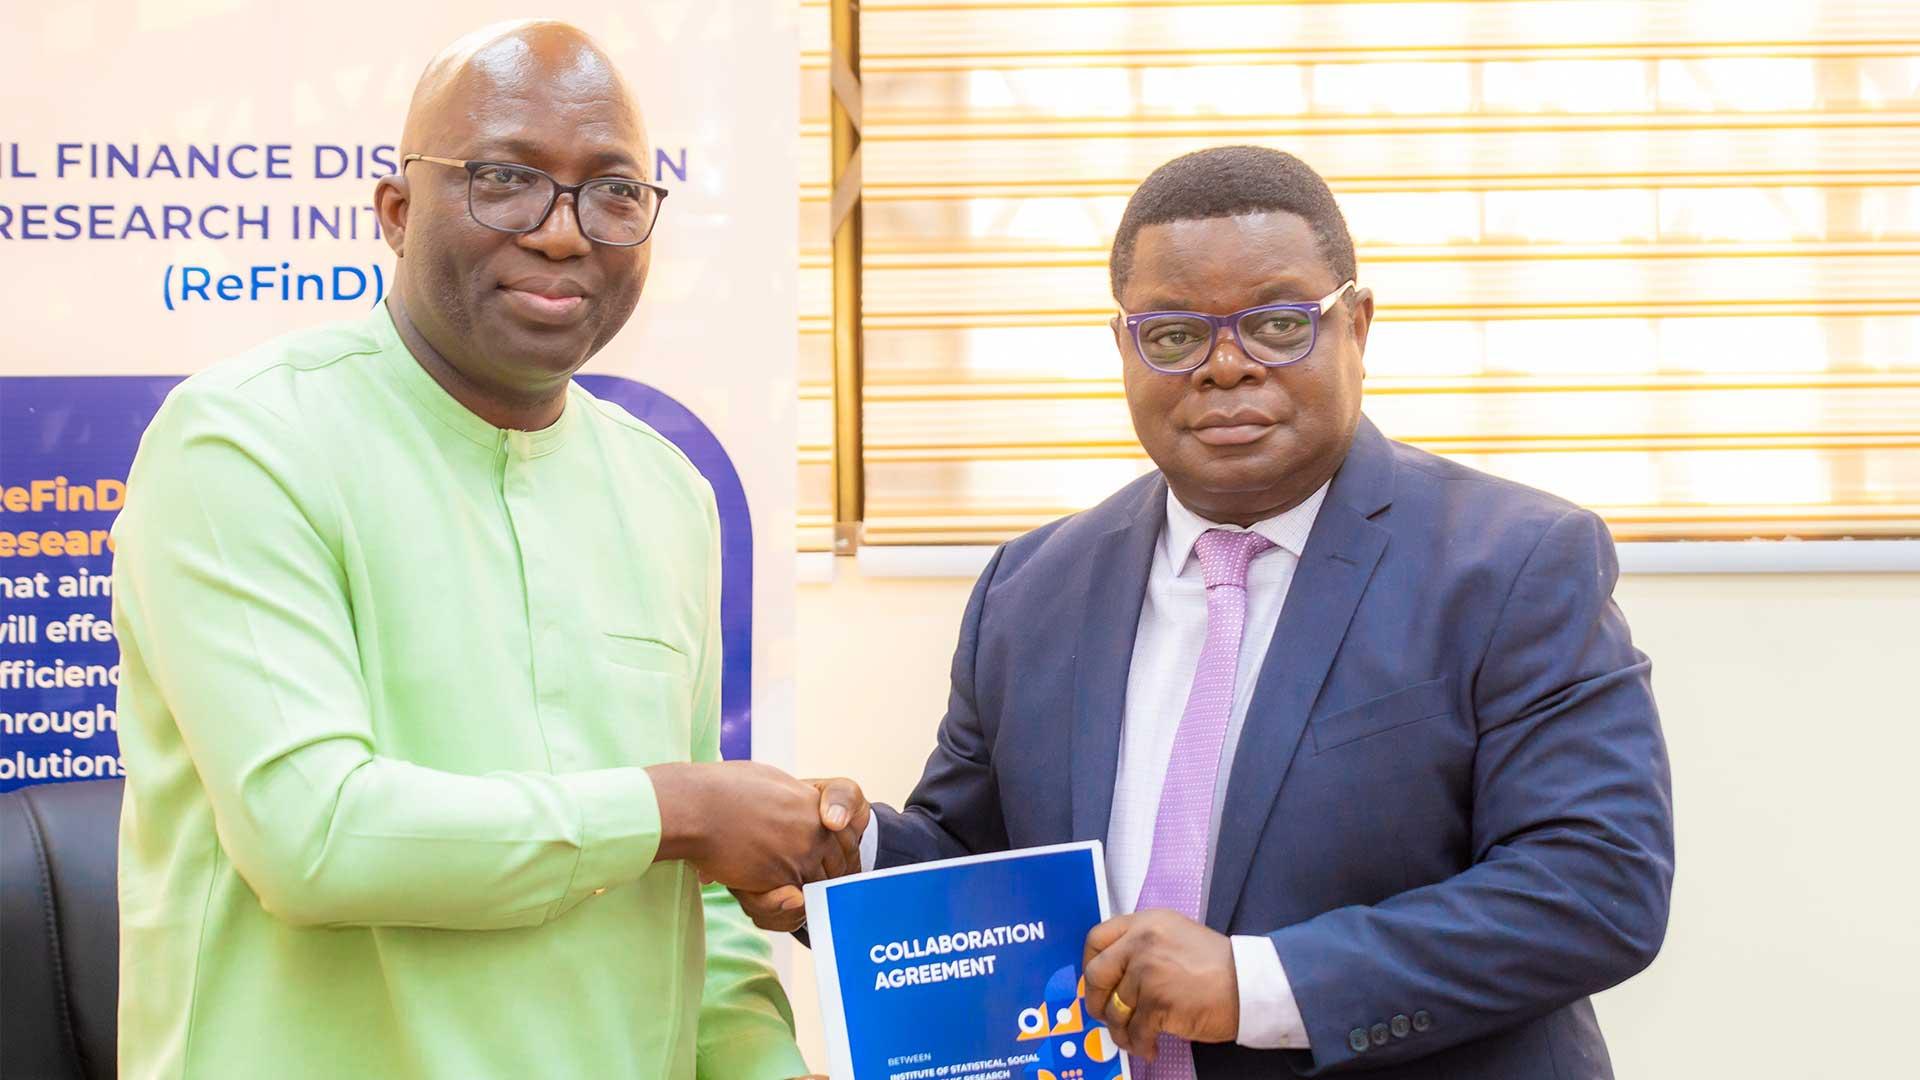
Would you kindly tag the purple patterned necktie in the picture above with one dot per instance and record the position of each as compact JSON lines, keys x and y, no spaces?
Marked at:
{"x":1177,"y":867}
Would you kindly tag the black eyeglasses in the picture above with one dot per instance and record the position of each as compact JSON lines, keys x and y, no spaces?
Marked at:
{"x":510,"y":198}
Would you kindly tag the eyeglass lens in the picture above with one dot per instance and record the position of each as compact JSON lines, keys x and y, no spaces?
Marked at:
{"x":1272,"y":336}
{"x":513,"y":199}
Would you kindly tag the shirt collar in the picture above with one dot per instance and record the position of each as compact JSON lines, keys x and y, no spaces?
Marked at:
{"x":1287,"y":530}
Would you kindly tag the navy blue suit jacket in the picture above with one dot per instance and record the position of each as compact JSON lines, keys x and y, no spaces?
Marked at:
{"x":1450,"y":809}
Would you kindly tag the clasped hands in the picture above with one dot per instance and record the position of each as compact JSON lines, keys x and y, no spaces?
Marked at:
{"x":760,"y":832}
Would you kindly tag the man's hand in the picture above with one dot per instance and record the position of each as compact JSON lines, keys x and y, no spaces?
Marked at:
{"x":1170,"y":974}
{"x":746,"y":825}
{"x":845,"y":813}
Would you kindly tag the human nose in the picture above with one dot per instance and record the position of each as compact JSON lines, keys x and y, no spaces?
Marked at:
{"x":1227,"y":365}
{"x":559,"y":236}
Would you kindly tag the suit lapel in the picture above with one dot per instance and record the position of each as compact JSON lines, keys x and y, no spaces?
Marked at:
{"x":1114,"y":583}
{"x":1340,"y":557}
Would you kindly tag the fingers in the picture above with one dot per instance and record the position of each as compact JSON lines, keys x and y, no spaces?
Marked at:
{"x":1139,"y":1033}
{"x":842,"y":803}
{"x":849,"y":850}
{"x":834,"y":858}
{"x":1118,"y":994}
{"x":1103,"y":936}
{"x":815,"y":853}
{"x":1103,"y":965}
{"x":781,"y":911}
{"x":844,"y":813}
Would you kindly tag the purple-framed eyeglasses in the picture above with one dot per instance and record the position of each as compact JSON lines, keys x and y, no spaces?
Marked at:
{"x":1176,"y":342}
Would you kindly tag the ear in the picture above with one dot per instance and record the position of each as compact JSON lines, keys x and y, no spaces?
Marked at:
{"x":1361,"y":301}
{"x":391,"y":199}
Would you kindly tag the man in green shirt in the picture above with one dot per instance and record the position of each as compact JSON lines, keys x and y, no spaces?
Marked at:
{"x":420,"y":706}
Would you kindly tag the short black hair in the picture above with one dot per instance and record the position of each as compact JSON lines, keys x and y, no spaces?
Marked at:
{"x":1228,"y":181}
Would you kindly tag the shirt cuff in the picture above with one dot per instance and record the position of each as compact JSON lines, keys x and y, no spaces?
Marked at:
{"x":1269,"y":1016}
{"x":619,"y":830}
{"x":870,"y":844}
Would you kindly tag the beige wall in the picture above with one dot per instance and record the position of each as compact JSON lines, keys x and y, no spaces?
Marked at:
{"x":1789,"y":708}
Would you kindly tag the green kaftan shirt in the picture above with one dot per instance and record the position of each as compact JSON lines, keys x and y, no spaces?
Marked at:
{"x":390,"y":680}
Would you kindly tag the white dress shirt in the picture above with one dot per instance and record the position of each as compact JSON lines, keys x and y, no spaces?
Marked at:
{"x":1166,"y":653}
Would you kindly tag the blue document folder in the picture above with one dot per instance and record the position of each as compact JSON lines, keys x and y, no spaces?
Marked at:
{"x":965,"y":969}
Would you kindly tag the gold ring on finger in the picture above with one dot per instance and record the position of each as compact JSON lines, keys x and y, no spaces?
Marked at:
{"x":1119,"y":1008}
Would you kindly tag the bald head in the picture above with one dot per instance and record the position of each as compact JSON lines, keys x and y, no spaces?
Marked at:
{"x":503,"y":61}
{"x":515,"y":313}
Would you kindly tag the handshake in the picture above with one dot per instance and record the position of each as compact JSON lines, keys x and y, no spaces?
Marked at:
{"x":760,"y":832}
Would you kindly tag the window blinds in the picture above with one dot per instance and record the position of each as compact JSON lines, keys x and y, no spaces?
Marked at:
{"x":1660,"y":258}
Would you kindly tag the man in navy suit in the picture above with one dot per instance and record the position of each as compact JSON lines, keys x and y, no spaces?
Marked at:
{"x":1377,"y":765}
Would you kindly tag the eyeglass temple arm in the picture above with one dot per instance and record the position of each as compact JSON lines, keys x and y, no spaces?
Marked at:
{"x":1333,"y":297}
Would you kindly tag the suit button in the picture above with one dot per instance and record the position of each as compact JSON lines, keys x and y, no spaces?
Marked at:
{"x":1380,"y":1034}
{"x":1422,"y":1020}
{"x":1401,"y":1025}
{"x":1357,"y":1038}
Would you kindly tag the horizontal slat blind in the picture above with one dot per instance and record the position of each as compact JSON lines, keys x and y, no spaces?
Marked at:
{"x":1661,"y":258}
